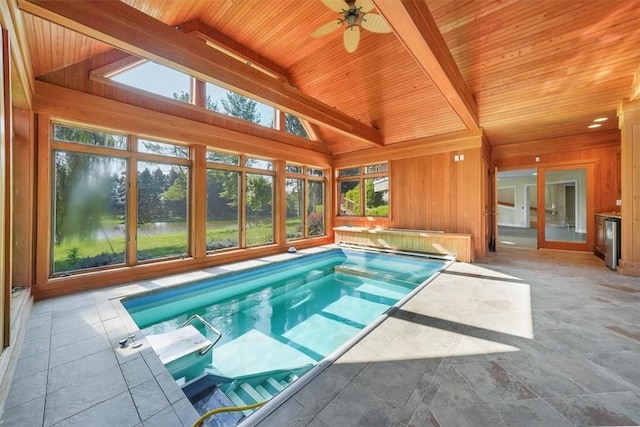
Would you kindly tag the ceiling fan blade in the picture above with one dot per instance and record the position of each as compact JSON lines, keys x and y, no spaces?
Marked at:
{"x":335,"y":5}
{"x":375,"y":23}
{"x":326,"y":28}
{"x":364,"y":5}
{"x":351,"y":38}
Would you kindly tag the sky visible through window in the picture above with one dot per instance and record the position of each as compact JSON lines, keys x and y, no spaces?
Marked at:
{"x":165,"y":81}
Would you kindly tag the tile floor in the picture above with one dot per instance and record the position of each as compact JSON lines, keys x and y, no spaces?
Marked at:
{"x":523,"y":337}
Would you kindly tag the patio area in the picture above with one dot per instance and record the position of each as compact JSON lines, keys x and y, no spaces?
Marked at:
{"x":522,"y":337}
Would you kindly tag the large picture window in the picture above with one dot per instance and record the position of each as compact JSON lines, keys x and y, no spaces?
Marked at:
{"x":223,"y":215}
{"x":162,"y":210}
{"x":305,"y":213}
{"x":235,"y":184}
{"x":364,"y":191}
{"x":89,"y":199}
{"x":122,"y":200}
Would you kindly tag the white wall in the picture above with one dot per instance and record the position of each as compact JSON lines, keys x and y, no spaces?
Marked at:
{"x":516,"y":216}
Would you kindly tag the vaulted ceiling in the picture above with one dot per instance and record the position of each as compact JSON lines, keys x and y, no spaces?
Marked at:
{"x":522,"y":70}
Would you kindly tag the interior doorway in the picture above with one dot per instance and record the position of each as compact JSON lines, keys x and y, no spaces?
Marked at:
{"x":517,"y":208}
{"x":566,"y":195}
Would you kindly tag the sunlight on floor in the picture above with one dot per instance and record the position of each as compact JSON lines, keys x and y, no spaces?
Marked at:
{"x":467,"y":310}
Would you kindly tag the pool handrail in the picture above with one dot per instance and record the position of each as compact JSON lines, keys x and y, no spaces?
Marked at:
{"x":208,"y":325}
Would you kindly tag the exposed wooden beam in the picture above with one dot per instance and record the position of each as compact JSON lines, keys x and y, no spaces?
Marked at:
{"x":417,"y":30}
{"x":229,"y":46}
{"x":545,"y":146}
{"x":635,"y":86}
{"x":11,"y":20}
{"x":128,"y":29}
{"x":74,"y":106}
{"x":455,"y":141}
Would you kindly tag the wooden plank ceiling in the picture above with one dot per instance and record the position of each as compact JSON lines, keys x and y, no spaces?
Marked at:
{"x":537,"y":70}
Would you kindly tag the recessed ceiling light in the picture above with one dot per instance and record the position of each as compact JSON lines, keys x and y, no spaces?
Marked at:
{"x":601,"y":119}
{"x":595,"y":125}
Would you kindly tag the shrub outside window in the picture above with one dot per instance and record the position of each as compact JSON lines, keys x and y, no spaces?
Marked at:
{"x":364,"y":191}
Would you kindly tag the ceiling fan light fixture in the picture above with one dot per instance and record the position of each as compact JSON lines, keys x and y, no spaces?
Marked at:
{"x":355,"y":16}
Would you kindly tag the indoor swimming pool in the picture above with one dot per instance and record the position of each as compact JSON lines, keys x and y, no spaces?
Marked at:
{"x":261,"y":329}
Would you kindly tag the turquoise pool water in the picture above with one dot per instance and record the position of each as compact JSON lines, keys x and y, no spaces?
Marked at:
{"x":287,"y":315}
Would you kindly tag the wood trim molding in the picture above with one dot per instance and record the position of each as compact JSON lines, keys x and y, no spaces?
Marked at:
{"x":567,"y":143}
{"x":419,"y":147}
{"x":11,"y":20}
{"x":414,"y":26}
{"x":129,"y":29}
{"x":635,"y":86}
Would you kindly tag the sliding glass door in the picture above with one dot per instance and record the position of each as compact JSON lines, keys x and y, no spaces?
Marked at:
{"x":565,"y":207}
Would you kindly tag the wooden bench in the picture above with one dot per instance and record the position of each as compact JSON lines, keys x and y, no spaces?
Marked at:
{"x":435,"y":242}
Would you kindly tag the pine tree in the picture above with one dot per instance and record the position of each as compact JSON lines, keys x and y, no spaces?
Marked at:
{"x":242,"y":107}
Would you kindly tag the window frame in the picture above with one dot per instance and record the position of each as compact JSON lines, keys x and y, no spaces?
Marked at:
{"x":244,"y":170}
{"x":361,"y":177}
{"x":132,"y":157}
{"x":307,"y":177}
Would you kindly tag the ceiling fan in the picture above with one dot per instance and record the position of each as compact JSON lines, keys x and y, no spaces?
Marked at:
{"x":356,"y":14}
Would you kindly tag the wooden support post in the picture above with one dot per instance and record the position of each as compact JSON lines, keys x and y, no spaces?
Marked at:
{"x":629,"y":124}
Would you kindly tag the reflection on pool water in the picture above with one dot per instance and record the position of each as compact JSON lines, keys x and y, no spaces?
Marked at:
{"x":280,"y":320}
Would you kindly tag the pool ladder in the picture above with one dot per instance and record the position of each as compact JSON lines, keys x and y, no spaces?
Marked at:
{"x":206,"y":324}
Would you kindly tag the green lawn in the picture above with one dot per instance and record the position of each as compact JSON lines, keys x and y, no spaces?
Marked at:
{"x":80,"y":254}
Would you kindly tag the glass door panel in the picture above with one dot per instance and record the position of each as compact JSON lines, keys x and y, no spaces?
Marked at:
{"x":564,"y":198}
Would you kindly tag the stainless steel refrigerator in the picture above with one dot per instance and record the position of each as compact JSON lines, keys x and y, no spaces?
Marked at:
{"x":611,"y":242}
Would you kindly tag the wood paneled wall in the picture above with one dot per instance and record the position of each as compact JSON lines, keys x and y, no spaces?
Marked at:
{"x":629,"y":122}
{"x":23,"y":202}
{"x":430,"y":190}
{"x":604,"y":154}
{"x":437,"y":193}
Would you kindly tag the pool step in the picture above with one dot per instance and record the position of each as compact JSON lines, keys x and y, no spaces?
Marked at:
{"x":245,"y":394}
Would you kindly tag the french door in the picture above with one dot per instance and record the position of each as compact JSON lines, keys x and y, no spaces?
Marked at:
{"x":566,"y":207}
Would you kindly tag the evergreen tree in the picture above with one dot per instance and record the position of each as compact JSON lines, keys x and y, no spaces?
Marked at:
{"x":210,"y":104}
{"x":240,"y":106}
{"x":293,"y":125}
